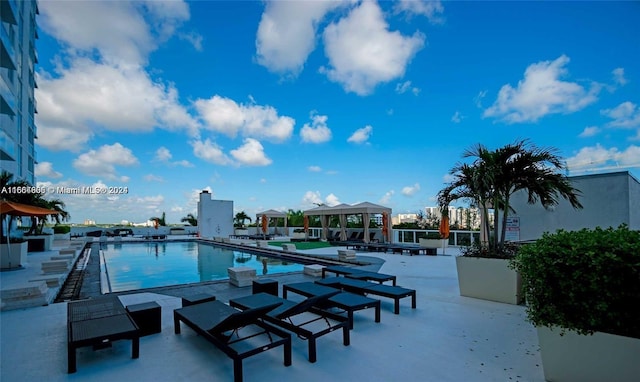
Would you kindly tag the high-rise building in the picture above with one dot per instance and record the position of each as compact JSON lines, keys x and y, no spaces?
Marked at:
{"x":17,"y":83}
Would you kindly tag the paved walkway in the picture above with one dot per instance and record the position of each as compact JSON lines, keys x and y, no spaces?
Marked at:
{"x":447,"y":338}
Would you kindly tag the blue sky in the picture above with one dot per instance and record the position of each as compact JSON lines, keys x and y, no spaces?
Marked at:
{"x":283,"y":104}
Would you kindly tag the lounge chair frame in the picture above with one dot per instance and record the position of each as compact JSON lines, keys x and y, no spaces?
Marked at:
{"x":227,"y":322}
{"x":285,"y":318}
{"x":365,"y":288}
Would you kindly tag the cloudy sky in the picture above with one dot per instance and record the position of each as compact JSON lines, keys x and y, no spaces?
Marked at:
{"x":283,"y":104}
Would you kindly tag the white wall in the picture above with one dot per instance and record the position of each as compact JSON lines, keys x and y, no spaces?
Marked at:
{"x":608,"y":200}
{"x":215,"y":217}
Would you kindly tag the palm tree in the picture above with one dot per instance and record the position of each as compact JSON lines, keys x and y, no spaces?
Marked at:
{"x":240,"y":219}
{"x":160,"y":220}
{"x":295,"y":218}
{"x":190,"y":219}
{"x":494,"y":176}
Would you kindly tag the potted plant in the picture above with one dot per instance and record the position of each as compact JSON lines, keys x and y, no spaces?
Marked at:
{"x":582,"y":290}
{"x":61,"y":232}
{"x":489,"y":182}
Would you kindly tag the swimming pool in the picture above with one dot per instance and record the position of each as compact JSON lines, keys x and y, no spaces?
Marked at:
{"x":131,"y":266}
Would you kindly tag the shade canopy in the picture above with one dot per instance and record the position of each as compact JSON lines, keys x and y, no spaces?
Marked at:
{"x":366,"y":209}
{"x":19,"y":209}
{"x":269,"y":214}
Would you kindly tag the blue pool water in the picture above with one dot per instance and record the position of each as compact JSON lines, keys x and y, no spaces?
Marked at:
{"x":131,"y":266}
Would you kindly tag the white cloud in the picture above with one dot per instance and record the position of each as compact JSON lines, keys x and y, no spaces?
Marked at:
{"x":192,"y":38}
{"x":251,"y":153}
{"x":361,"y":135}
{"x":599,"y":158}
{"x":540,"y":93}
{"x":428,"y":8}
{"x":625,"y":115}
{"x":226,"y":116}
{"x":332,"y":200}
{"x":88,"y":26}
{"x":210,"y":152}
{"x":448,"y":178}
{"x":45,"y":169}
{"x":618,"y":76}
{"x":403,"y":87}
{"x":163,"y":154}
{"x":317,"y":131}
{"x":457,"y":117}
{"x":314,"y":168}
{"x":311,"y":198}
{"x":477,"y":100}
{"x":287,"y":33}
{"x":89,"y":95}
{"x":153,"y":178}
{"x":363,"y":53}
{"x":103,"y":162}
{"x":386,"y":198}
{"x":589,"y":131}
{"x":410,"y":190}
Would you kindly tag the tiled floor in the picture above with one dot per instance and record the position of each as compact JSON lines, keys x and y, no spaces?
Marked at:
{"x":447,"y":338}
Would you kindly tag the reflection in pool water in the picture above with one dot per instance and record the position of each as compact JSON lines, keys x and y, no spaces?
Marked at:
{"x":133,"y":266}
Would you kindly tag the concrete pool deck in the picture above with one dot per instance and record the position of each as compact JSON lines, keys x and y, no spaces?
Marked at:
{"x":447,"y":338}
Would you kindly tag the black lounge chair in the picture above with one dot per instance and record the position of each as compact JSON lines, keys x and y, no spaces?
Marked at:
{"x":357,"y":273}
{"x":345,"y":301}
{"x":299,"y":318}
{"x":220,"y":324}
{"x":367,"y":288}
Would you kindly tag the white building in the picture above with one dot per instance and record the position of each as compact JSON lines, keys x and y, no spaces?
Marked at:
{"x":215,"y":217}
{"x":608,"y":199}
{"x":17,"y":82}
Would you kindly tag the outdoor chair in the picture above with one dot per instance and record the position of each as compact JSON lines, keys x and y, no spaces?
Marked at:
{"x":367,"y":288}
{"x":239,"y":334}
{"x":302,"y":318}
{"x":344,"y":301}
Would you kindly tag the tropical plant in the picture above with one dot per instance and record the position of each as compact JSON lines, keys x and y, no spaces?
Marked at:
{"x":295,"y":218}
{"x":190,"y":219}
{"x":583,"y":280}
{"x":160,"y":220}
{"x":240,"y":218}
{"x":494,"y":176}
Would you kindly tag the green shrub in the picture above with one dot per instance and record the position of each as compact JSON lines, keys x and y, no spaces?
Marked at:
{"x":587,"y":280}
{"x":61,"y":229}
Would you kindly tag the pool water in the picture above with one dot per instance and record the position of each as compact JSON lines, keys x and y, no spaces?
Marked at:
{"x":131,"y":266}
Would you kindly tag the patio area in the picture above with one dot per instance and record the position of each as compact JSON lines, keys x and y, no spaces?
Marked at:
{"x":447,"y":338}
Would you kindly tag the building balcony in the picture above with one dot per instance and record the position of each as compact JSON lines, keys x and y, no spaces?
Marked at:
{"x":7,"y":52}
{"x":9,"y":11}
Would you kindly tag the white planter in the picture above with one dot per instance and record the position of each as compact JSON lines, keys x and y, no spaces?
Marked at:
{"x":241,"y":232}
{"x":299,"y":235}
{"x":13,"y":256}
{"x":488,"y":279}
{"x":62,"y":236}
{"x":48,"y":240}
{"x":433,"y":243}
{"x":585,"y":358}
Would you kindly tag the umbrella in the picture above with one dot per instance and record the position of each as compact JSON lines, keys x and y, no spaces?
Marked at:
{"x":265,"y":224}
{"x":444,"y":229}
{"x":385,"y":226}
{"x":18,"y":209}
{"x":306,"y":226}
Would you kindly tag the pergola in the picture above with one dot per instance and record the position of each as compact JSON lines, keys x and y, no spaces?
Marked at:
{"x":365,"y":209}
{"x":272,"y":214}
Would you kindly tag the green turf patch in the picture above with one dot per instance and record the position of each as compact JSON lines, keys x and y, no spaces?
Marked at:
{"x":302,"y":244}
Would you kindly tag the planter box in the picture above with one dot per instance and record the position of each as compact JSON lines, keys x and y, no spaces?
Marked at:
{"x":242,"y":232}
{"x":585,"y":358}
{"x":433,"y":243}
{"x":13,"y":256}
{"x":488,"y":279}
{"x":299,"y":235}
{"x":48,"y":240}
{"x":62,"y":236}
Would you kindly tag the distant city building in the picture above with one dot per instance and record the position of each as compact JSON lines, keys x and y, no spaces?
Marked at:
{"x":463,"y":217}
{"x":89,"y":222}
{"x":17,"y":82}
{"x":404,"y":218}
